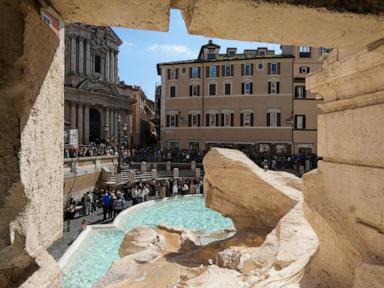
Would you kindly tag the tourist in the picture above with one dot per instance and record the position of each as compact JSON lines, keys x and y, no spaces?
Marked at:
{"x":118,"y":206}
{"x":88,"y":199}
{"x":145,"y":192}
{"x":163,"y":191}
{"x":134,"y":195}
{"x":69,"y":213}
{"x":193,"y":187}
{"x":174,"y":188}
{"x":84,"y":225}
{"x":110,"y":209}
{"x":185,"y":189}
{"x":107,"y":200}
{"x":265,"y":164}
{"x":198,"y":187}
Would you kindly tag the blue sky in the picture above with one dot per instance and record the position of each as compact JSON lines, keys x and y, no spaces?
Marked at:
{"x":142,"y":50}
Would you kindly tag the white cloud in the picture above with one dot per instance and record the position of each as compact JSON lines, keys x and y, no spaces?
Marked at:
{"x":171,"y":49}
{"x":127,"y":44}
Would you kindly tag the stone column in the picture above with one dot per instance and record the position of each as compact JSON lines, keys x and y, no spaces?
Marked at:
{"x":169,"y":166}
{"x":107,"y":64}
{"x":176,"y":173}
{"x":73,"y":53}
{"x":102,"y":67}
{"x":80,"y":122}
{"x":112,"y":67}
{"x":116,"y":124}
{"x":193,"y":165}
{"x":198,"y":173}
{"x":87,"y":57}
{"x":81,"y":55}
{"x":143,"y":166}
{"x":86,"y":124}
{"x":116,"y":71}
{"x":128,"y":131}
{"x":107,"y":135}
{"x":73,"y":115}
{"x":345,"y":194}
{"x":112,"y":125}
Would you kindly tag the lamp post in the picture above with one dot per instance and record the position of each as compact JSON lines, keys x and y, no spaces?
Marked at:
{"x":119,"y":146}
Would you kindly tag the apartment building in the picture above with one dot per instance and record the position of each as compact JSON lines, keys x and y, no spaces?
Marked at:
{"x":254,"y":101}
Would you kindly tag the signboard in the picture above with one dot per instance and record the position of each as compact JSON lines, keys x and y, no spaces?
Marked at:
{"x":73,"y":138}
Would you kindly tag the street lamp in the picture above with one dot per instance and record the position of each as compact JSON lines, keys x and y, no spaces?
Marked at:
{"x":119,"y":146}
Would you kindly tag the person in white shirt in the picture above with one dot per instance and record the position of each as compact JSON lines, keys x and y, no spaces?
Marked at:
{"x":174,"y":188}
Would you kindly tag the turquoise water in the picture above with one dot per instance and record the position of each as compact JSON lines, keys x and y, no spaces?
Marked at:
{"x":97,"y":252}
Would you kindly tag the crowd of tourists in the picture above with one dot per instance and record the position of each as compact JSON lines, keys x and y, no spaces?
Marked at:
{"x":90,"y":150}
{"x":112,"y":202}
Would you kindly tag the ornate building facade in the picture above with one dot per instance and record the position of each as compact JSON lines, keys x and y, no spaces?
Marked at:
{"x":96,"y":103}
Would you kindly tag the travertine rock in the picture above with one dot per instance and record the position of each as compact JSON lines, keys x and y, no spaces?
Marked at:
{"x":239,"y":189}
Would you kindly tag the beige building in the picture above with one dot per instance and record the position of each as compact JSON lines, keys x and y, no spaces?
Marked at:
{"x":254,"y":101}
{"x":96,"y":103}
{"x":143,"y":129}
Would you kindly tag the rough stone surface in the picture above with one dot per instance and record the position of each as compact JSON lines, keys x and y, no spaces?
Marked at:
{"x":241,"y":190}
{"x":32,"y":171}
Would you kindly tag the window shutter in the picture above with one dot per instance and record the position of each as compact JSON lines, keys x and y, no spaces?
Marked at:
{"x":189,"y":120}
{"x":242,"y":69}
{"x":251,"y":119}
{"x":168,"y":120}
{"x":242,"y":119}
{"x":217,"y":71}
{"x":223,"y":70}
{"x":278,"y":68}
{"x":232,"y":70}
{"x":207,"y":120}
{"x":295,"y":123}
{"x":251,"y":68}
{"x":251,"y":88}
{"x":304,"y":93}
{"x":190,"y":72}
{"x":304,"y":121}
{"x":279,"y":119}
{"x":269,"y":87}
{"x":169,"y":73}
{"x":217,"y":119}
{"x":207,"y":72}
{"x":190,"y":90}
{"x":177,"y":73}
{"x":308,"y":70}
{"x":269,"y":68}
{"x":198,"y":120}
{"x":278,"y":87}
{"x":296,"y":93}
{"x":242,"y":88}
{"x":300,"y":69}
{"x":232,"y":119}
{"x":198,"y":72}
{"x":268,"y":119}
{"x":177,"y":121}
{"x":222,"y":119}
{"x":198,"y":90}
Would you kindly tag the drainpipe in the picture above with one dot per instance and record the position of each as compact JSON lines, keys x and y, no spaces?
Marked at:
{"x":292,"y":109}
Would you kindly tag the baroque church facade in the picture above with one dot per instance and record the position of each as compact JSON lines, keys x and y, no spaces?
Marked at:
{"x":97,"y":104}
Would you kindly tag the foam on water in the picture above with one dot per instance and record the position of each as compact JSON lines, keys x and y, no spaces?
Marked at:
{"x":97,"y":252}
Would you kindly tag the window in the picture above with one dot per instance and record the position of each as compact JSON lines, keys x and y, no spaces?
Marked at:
{"x":212,"y":89}
{"x":247,"y":88}
{"x":172,"y":120}
{"x":174,"y":144}
{"x":194,"y":145}
{"x":228,"y":119}
{"x":227,"y":88}
{"x":300,"y":92}
{"x":213,"y":71}
{"x":212,"y":120}
{"x":211,"y":54}
{"x":173,"y":74}
{"x":97,"y":64}
{"x":304,"y":69}
{"x":247,"y":69}
{"x":260,"y":66}
{"x":273,"y":119}
{"x":172,"y":91}
{"x":274,"y":68}
{"x":228,"y":70}
{"x":232,"y":53}
{"x":194,"y":120}
{"x":246,"y":119}
{"x":305,"y":52}
{"x":273,"y":87}
{"x":300,"y":122}
{"x":194,"y":90}
{"x":195,"y":72}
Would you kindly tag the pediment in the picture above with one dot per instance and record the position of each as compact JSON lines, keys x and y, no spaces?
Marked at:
{"x":97,"y":86}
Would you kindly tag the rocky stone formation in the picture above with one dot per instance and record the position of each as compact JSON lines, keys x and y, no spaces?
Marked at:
{"x":257,"y":255}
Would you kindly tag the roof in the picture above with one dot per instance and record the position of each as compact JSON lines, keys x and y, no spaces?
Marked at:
{"x":223,"y":58}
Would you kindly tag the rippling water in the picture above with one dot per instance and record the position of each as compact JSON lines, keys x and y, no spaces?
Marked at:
{"x":97,"y":252}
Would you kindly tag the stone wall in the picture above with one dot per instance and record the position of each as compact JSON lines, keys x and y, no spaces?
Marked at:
{"x":31,"y":110}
